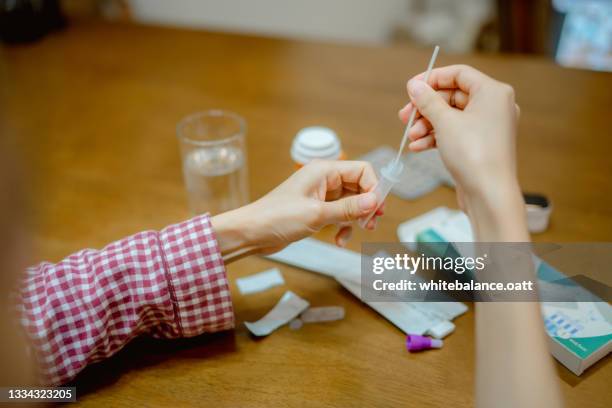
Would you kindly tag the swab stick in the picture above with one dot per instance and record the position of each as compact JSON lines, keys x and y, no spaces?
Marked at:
{"x":390,"y":174}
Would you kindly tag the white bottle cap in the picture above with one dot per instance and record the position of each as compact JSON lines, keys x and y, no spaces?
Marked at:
{"x":315,"y":142}
{"x":539,"y":209}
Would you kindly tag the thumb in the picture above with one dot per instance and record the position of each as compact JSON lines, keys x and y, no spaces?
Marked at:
{"x":349,"y":208}
{"x":428,"y":102}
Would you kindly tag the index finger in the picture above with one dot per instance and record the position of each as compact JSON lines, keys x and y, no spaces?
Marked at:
{"x":463,"y":77}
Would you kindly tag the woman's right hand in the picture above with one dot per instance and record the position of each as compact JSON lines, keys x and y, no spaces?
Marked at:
{"x":472,"y":119}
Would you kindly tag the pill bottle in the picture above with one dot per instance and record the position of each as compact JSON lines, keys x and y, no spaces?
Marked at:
{"x":315,"y":142}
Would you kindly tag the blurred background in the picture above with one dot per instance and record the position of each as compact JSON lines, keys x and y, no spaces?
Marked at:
{"x":575,"y":33}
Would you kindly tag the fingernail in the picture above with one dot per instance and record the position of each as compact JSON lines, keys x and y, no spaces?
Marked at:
{"x":416,"y":87}
{"x":367,"y":201}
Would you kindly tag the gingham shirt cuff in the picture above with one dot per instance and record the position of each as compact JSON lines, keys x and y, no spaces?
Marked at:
{"x":196,"y":276}
{"x":88,"y":306}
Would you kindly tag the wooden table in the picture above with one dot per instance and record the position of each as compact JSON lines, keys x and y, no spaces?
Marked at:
{"x":94,"y":109}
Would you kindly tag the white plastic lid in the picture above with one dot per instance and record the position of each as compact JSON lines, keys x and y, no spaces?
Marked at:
{"x":537,"y":218}
{"x":315,"y":142}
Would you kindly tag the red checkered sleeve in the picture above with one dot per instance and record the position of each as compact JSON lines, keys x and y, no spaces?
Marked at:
{"x":87,"y":307}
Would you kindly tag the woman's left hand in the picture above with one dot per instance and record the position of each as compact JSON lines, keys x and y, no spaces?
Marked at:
{"x":321,"y":193}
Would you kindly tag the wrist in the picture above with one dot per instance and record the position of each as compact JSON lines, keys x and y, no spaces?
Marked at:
{"x":233,"y":233}
{"x":495,"y":196}
{"x":497,"y":212}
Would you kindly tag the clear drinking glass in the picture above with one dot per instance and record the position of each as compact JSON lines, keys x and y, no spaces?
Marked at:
{"x":213,"y":151}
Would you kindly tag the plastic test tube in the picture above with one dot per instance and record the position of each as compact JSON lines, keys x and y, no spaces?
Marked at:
{"x":389,"y":176}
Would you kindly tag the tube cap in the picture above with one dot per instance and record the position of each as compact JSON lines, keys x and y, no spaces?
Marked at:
{"x":415,"y":342}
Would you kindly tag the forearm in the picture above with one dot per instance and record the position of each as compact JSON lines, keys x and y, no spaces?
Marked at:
{"x":87,"y":307}
{"x":513,"y":363}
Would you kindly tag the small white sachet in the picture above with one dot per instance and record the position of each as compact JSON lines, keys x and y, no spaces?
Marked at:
{"x":323,"y":314}
{"x":260,"y":281}
{"x":289,"y":307}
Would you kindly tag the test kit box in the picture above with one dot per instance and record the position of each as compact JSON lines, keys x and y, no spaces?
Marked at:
{"x":579,"y":333}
